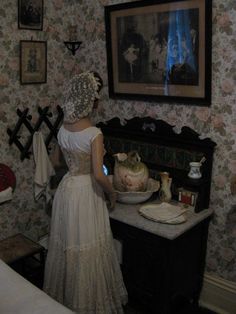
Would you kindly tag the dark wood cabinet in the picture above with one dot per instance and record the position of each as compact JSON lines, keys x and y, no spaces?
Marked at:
{"x":160,"y":272}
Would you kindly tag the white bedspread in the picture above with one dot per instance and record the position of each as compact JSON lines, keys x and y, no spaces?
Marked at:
{"x":19,"y":296}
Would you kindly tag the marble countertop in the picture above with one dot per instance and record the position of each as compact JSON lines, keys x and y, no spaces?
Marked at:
{"x":128,"y":214}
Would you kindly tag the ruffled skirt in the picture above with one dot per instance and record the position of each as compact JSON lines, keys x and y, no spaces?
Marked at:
{"x":82,"y":270}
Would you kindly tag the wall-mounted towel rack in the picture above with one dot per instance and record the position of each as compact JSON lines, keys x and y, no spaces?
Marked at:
{"x":24,"y":119}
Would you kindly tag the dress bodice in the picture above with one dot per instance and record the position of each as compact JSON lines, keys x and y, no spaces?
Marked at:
{"x":76,"y":148}
{"x":77,"y":162}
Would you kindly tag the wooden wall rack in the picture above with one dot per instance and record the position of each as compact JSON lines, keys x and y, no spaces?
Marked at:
{"x":24,"y":119}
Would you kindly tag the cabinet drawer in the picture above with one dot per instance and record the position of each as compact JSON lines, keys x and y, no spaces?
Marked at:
{"x":123,"y":231}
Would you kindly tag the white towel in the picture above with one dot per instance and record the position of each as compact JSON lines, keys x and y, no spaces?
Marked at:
{"x":164,"y":213}
{"x":44,"y":169}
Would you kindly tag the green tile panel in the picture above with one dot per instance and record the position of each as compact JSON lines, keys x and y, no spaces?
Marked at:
{"x":171,"y":157}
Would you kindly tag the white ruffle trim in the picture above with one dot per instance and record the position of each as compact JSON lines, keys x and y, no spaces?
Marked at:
{"x":87,"y":280}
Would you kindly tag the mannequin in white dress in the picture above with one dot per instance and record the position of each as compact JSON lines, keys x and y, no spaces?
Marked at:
{"x":82,"y":269}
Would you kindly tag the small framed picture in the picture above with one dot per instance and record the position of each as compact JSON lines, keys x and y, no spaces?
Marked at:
{"x":30,"y":14}
{"x":33,"y":62}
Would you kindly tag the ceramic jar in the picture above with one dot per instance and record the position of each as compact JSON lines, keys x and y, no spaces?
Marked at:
{"x":195,"y":172}
{"x":165,"y":190}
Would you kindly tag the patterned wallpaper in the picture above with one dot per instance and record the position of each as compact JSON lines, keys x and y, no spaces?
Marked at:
{"x":218,"y":122}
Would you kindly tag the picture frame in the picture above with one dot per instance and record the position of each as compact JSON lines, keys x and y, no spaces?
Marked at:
{"x":30,"y":14}
{"x":160,"y":50}
{"x":33,"y":62}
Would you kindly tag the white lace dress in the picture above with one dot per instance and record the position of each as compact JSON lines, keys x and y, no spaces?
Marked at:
{"x":82,"y":270}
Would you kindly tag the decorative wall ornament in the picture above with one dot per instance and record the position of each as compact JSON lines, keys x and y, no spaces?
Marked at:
{"x":73,"y":44}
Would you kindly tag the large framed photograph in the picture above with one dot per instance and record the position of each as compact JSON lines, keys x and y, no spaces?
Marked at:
{"x":33,"y":62}
{"x":30,"y":14}
{"x":160,"y":50}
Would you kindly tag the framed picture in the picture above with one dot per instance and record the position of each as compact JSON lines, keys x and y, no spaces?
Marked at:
{"x":33,"y":62}
{"x":30,"y":14}
{"x":160,"y":50}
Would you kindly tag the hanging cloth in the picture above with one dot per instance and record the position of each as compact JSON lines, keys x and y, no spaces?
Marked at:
{"x":44,"y":169}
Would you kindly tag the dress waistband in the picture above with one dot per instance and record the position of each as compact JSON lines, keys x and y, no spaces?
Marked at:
{"x":79,"y":172}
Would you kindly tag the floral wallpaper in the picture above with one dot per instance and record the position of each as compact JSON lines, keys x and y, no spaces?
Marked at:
{"x":23,"y":213}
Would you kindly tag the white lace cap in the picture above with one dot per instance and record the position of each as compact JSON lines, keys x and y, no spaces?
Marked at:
{"x":79,"y":96}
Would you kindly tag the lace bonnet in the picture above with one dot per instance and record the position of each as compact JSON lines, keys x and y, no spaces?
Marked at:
{"x":79,"y":96}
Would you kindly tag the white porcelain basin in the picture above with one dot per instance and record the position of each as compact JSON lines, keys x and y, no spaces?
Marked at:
{"x":138,"y":197}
